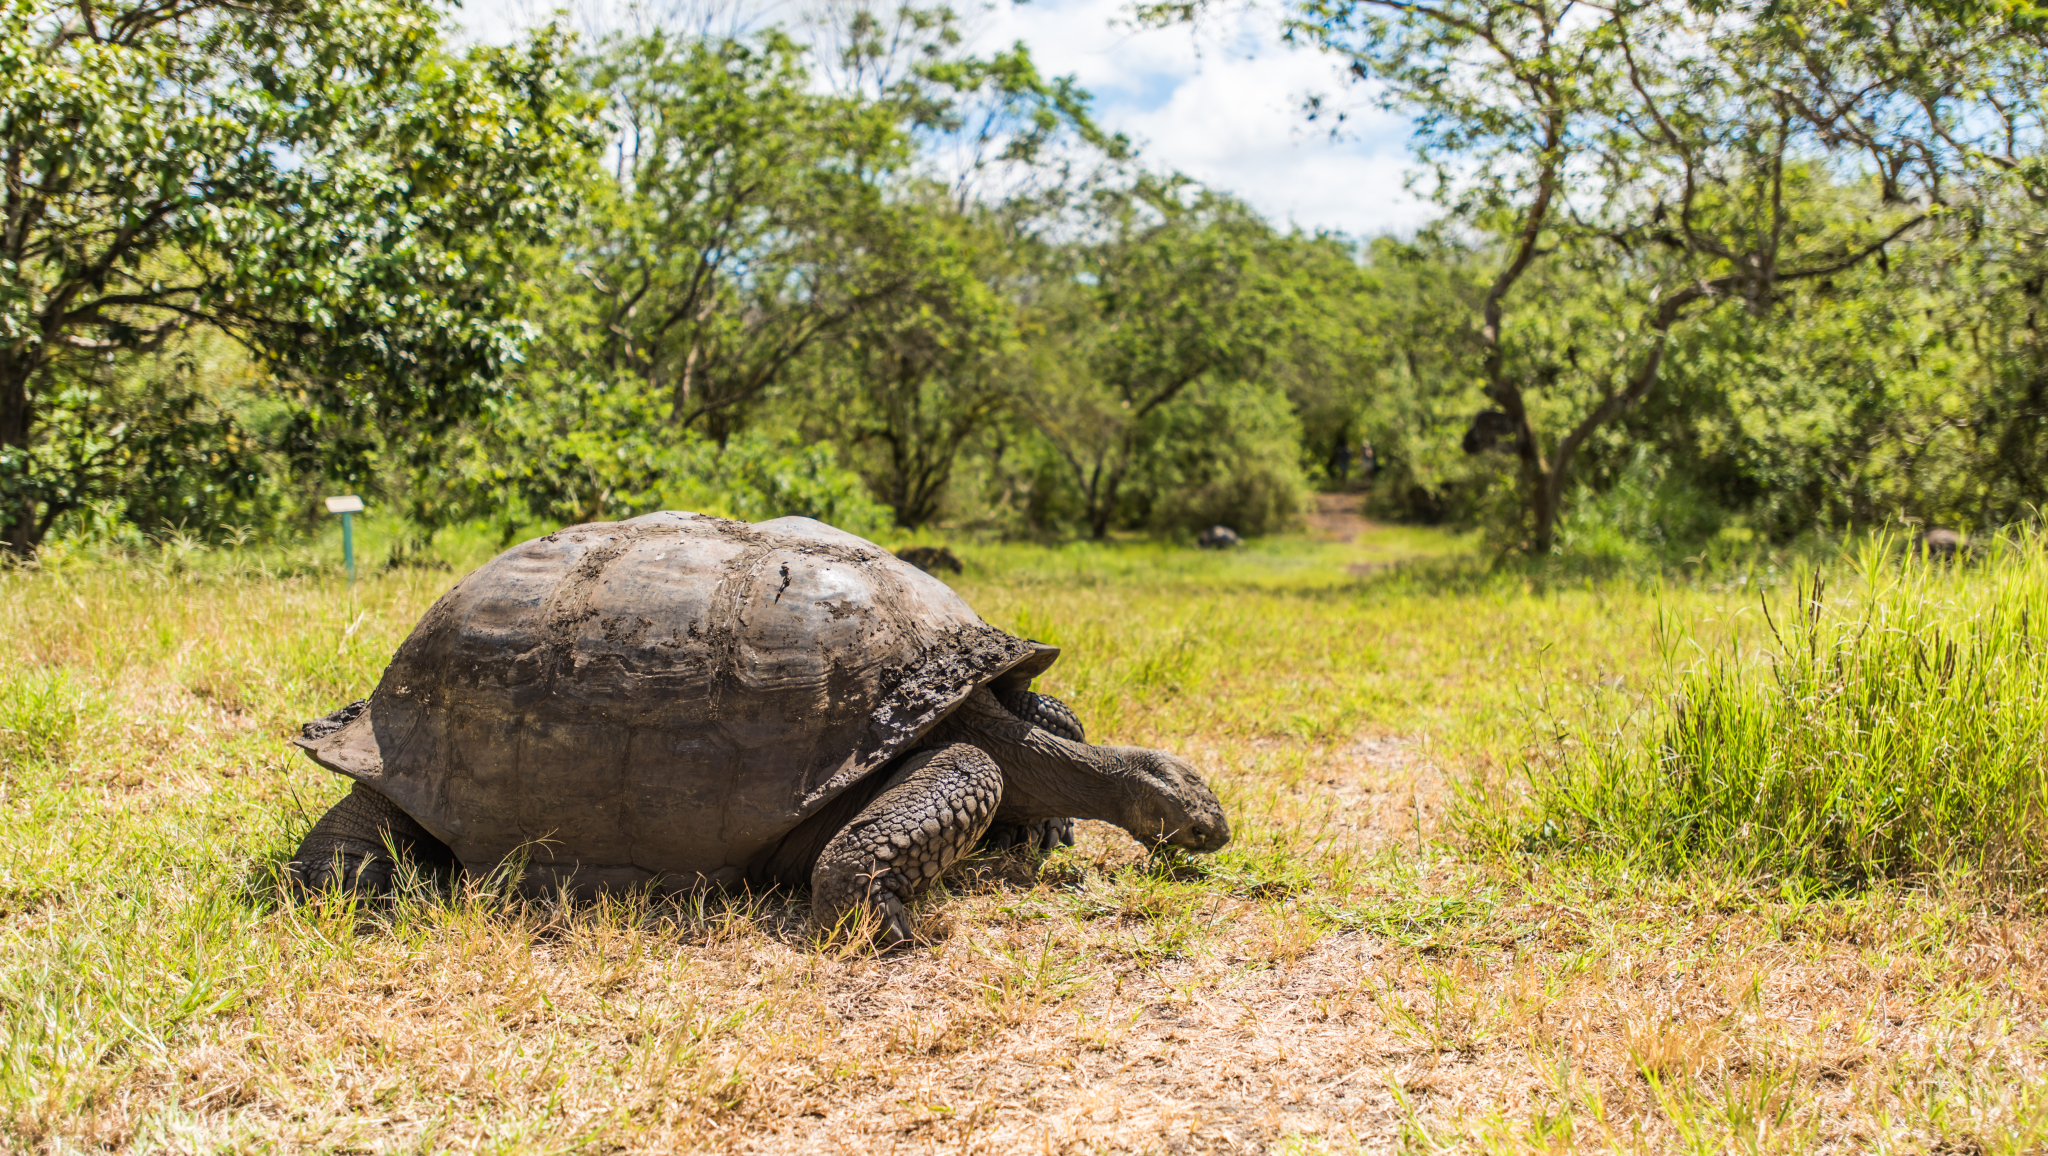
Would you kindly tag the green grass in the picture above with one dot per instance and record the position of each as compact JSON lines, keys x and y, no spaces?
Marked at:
{"x":1888,"y":723}
{"x":1392,"y":954}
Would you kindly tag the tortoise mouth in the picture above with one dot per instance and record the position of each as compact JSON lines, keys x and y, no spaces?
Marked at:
{"x":1202,"y":837}
{"x":1198,"y":838}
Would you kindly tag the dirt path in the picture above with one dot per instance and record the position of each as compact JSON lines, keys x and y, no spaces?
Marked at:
{"x":1337,"y":517}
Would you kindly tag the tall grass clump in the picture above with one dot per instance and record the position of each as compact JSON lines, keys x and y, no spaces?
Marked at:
{"x":1890,"y":725}
{"x":40,"y":711}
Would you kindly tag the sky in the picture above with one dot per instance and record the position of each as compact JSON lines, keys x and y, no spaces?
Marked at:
{"x":1221,"y":103}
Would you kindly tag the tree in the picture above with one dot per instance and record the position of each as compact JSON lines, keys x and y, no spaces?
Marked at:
{"x":315,"y":178}
{"x":752,"y":215}
{"x":1176,"y":289}
{"x":926,"y":370}
{"x":721,"y":248}
{"x":1676,"y":153}
{"x":1333,"y":348}
{"x":991,"y":127}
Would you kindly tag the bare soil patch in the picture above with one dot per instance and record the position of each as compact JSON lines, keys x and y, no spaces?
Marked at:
{"x":1339,"y":517}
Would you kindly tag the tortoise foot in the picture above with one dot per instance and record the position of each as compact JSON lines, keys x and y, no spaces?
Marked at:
{"x":349,"y":867}
{"x":355,"y":846}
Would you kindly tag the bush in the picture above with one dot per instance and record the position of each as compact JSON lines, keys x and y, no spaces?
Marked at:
{"x":179,"y":443}
{"x":1229,"y":453}
{"x":1256,"y":497}
{"x":756,"y":477}
{"x":1648,"y":512}
{"x":583,"y":451}
{"x":1893,"y":734}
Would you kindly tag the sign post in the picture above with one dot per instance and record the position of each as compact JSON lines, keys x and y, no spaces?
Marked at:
{"x":347,"y":505}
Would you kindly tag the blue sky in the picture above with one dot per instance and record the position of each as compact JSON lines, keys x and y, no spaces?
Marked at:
{"x":1221,"y":103}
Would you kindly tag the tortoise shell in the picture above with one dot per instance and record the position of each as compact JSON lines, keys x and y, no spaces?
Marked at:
{"x":661,"y":700}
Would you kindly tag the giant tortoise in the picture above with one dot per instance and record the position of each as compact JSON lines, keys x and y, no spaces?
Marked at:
{"x":680,"y":701}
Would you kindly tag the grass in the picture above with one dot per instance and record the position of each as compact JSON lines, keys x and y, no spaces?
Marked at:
{"x":1371,"y":965}
{"x":1892,"y":729}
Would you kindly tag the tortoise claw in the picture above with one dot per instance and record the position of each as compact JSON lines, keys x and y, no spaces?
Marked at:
{"x":895,"y":929}
{"x":1042,"y":838}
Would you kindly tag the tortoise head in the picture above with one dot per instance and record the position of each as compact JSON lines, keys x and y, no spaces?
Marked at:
{"x":1165,"y":801}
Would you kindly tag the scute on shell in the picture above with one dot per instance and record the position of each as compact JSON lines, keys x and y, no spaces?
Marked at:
{"x":663,"y":699}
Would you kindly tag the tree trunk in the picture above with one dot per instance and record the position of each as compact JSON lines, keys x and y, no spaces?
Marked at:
{"x":911,"y":493}
{"x":920,"y":496}
{"x":20,"y":530}
{"x":1540,"y":486}
{"x":1538,"y":482}
{"x":1102,"y":500}
{"x":1097,"y":511}
{"x":1546,"y":499}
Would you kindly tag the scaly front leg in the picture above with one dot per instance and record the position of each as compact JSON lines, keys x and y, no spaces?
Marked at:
{"x":352,"y":846}
{"x":929,"y":815}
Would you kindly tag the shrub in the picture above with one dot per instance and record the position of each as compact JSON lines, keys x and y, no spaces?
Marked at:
{"x":1230,"y":454}
{"x":1647,"y":511}
{"x":755,"y":477}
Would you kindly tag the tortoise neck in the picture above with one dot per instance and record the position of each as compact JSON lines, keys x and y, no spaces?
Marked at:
{"x":1044,"y":776}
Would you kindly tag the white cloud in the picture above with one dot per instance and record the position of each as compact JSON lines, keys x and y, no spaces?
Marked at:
{"x":1222,"y":104}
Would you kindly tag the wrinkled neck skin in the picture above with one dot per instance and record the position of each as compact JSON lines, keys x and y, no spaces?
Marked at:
{"x":1048,"y":777}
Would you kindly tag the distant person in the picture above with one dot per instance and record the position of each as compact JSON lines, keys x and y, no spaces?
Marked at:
{"x":1367,"y":463}
{"x":1340,"y":462}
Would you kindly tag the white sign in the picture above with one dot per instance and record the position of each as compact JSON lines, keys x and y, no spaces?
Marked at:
{"x":345,"y":504}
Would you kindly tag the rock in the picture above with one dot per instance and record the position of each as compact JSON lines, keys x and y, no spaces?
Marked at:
{"x":1938,"y":544}
{"x":932,"y":559}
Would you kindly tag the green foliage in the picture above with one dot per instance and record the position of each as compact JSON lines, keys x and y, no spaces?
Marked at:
{"x":166,"y":457}
{"x":188,"y":441}
{"x":768,"y":257}
{"x":929,"y":369}
{"x":1892,"y":732}
{"x":1228,"y":454}
{"x":1338,"y":340}
{"x":304,"y":177}
{"x":594,"y":454}
{"x":757,"y":476}
{"x":1647,"y":513}
{"x":1660,"y":161}
{"x":1690,"y":286}
{"x":1185,"y":287}
{"x":718,"y":252}
{"x":1418,"y":390}
{"x":1909,"y":391}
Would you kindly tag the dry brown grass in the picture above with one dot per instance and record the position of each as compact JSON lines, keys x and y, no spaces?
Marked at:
{"x":1339,"y":979}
